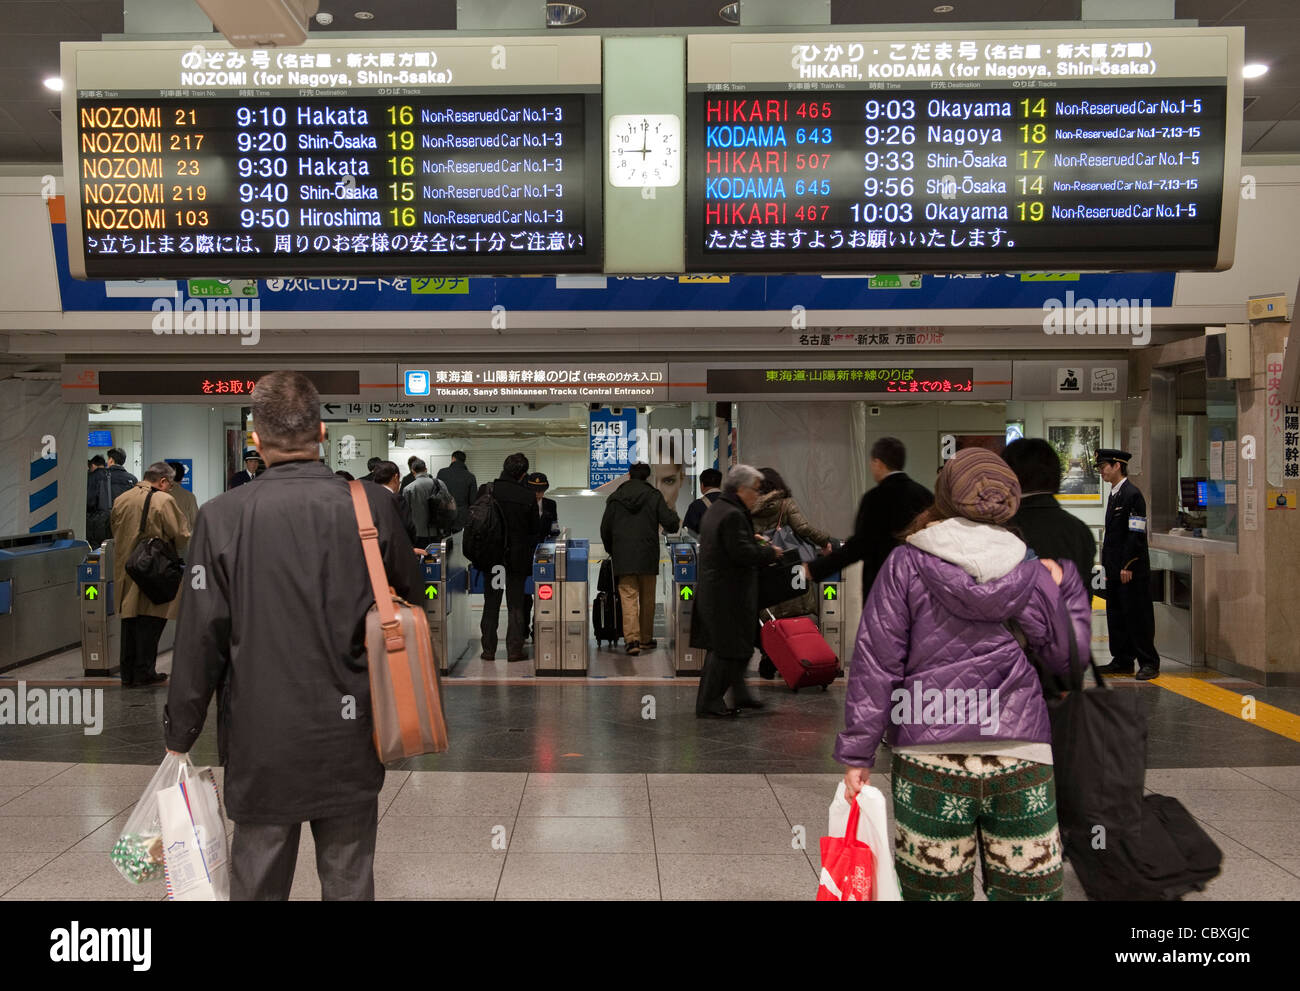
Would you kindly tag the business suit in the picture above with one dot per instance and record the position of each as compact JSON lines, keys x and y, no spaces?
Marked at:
{"x":883,"y":512}
{"x":1130,"y":614}
{"x":1052,"y":532}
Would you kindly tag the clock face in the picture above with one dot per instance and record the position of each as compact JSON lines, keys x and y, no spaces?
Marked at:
{"x":645,"y":150}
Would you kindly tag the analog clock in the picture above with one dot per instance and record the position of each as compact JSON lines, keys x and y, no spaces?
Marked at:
{"x":645,"y":149}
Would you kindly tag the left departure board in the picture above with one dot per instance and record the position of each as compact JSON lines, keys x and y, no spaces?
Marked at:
{"x":453,"y":156}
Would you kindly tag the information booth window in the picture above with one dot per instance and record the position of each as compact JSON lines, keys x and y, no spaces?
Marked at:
{"x":1207,"y":492}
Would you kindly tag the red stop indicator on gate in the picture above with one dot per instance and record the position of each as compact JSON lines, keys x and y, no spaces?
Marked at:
{"x":544,"y":592}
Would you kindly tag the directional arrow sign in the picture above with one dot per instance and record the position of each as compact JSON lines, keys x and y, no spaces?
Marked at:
{"x":687,"y":593}
{"x":92,"y":592}
{"x":830,"y":592}
{"x":431,"y":591}
{"x":330,"y":408}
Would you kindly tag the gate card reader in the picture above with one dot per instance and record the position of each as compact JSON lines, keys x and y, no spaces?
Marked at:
{"x":684,"y":558}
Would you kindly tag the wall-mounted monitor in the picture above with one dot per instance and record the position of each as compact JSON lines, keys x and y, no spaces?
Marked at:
{"x":101,"y":438}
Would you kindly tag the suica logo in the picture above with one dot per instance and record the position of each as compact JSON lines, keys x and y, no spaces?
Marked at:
{"x":235,"y":317}
{"x":1075,"y":315}
{"x":77,"y":945}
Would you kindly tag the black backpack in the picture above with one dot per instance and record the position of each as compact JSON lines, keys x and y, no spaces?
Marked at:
{"x":442,"y":507}
{"x":154,"y":565}
{"x":485,"y":533}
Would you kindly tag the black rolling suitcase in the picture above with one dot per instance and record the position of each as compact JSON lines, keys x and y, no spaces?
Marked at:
{"x":606,"y":610}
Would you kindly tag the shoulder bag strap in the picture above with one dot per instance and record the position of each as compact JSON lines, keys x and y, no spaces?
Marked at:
{"x":144,"y":515}
{"x":399,"y":668}
{"x":1045,"y":676}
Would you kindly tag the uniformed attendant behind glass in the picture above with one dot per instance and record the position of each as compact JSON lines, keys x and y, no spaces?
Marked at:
{"x":548,"y":514}
{"x":252,"y":462}
{"x":1130,"y":613}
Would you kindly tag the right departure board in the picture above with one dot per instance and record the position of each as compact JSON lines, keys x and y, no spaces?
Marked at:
{"x":1092,"y":150}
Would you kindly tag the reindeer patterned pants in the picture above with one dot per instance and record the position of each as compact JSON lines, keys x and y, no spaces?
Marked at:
{"x":945,"y":803}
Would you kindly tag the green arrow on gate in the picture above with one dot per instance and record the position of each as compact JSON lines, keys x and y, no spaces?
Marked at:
{"x":687,"y":593}
{"x":431,"y":591}
{"x":92,"y":592}
{"x":830,"y":593}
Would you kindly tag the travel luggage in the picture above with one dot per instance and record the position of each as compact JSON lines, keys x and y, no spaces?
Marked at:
{"x":154,"y":565}
{"x":405,"y":695}
{"x":800,"y":652}
{"x":606,"y":609}
{"x":1123,"y":847}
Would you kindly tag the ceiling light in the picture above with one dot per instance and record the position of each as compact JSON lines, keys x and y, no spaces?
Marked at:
{"x":54,"y":83}
{"x":730,"y":13}
{"x":944,"y":8}
{"x":1253,"y":70}
{"x":562,"y":15}
{"x":364,"y":15}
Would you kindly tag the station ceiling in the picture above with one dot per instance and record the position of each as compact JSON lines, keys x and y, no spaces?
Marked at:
{"x":30,"y":32}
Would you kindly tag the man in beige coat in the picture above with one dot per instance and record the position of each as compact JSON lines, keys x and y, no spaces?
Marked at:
{"x":184,"y":497}
{"x":143,"y":620}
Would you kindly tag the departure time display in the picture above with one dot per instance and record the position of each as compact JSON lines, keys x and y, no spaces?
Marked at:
{"x":1008,"y":178}
{"x":449,"y":156}
{"x":990,"y":152}
{"x":322,"y":184}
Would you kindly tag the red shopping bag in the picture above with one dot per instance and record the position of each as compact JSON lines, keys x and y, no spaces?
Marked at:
{"x":848,"y":866}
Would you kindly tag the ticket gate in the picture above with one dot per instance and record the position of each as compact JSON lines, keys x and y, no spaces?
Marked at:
{"x":101,"y":627}
{"x":37,"y":608}
{"x":683,"y":559}
{"x":561,"y":613}
{"x":445,"y":596}
{"x":838,"y":627}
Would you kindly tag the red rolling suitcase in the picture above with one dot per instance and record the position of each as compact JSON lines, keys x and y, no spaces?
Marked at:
{"x":800,"y":652}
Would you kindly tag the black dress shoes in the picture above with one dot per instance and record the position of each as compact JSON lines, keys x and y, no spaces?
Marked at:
{"x":1117,"y":667}
{"x":1147,"y":672}
{"x":717,"y":714}
{"x":751,"y":704}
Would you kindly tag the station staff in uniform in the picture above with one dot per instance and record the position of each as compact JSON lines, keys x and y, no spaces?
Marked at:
{"x":1130,"y":615}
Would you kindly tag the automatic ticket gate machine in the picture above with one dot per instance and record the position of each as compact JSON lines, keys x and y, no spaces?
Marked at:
{"x":837,"y":626}
{"x":683,"y":558}
{"x":561,"y":612}
{"x":100,"y":628}
{"x":445,"y":595}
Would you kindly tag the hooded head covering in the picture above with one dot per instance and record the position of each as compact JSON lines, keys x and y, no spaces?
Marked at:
{"x":978,"y":485}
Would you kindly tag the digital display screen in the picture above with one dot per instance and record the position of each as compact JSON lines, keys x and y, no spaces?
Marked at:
{"x":189,"y":167}
{"x":990,"y":152}
{"x":989,"y":179}
{"x":187,"y":382}
{"x":101,"y":438}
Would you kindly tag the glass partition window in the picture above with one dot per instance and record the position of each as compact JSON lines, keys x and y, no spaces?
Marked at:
{"x":1221,"y":498}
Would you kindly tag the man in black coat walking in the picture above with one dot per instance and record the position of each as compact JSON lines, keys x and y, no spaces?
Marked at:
{"x":884,"y":512}
{"x":272,"y":618}
{"x":1130,"y":613}
{"x":725,"y":618}
{"x":519,"y":508}
{"x":462,"y":485}
{"x":1044,"y":524}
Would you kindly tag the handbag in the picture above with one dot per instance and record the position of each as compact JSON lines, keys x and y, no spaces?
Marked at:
{"x":1099,"y":748}
{"x":781,"y":581}
{"x":783,"y":538}
{"x":154,"y":565}
{"x":405,"y":694}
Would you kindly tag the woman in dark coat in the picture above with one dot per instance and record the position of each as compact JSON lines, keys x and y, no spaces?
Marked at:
{"x":725,"y":618}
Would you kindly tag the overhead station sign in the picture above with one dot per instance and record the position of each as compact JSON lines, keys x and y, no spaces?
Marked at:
{"x":984,"y":150}
{"x":423,"y":156}
{"x":547,"y":382}
{"x":876,"y":381}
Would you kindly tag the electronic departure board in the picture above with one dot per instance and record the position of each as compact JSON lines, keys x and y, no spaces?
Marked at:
{"x":988,"y":151}
{"x":426,"y":157}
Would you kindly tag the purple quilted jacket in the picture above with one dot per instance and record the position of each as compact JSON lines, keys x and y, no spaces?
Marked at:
{"x":934,"y":662}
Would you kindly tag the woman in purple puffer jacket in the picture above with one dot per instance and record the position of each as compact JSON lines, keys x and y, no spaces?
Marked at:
{"x":938,"y":675}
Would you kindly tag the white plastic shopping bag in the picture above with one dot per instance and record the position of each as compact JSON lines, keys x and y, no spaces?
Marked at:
{"x":873,"y":830}
{"x":194,"y":838}
{"x":138,"y":855}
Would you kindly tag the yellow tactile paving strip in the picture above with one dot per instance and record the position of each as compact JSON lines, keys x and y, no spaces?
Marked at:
{"x":1198,"y":689}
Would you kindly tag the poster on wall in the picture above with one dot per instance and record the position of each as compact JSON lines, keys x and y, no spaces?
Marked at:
{"x":1076,"y":443}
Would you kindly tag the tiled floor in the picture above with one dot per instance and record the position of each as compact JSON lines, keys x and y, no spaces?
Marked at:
{"x":562,"y":836}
